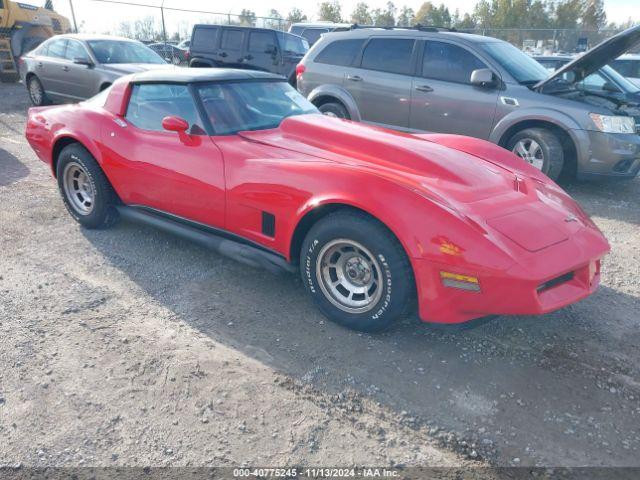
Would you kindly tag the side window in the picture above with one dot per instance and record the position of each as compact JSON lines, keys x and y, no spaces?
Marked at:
{"x":150,"y":103}
{"x":340,"y":52}
{"x":57,"y":49}
{"x":313,"y":34}
{"x":447,"y":62}
{"x":259,"y":41}
{"x":204,"y":38}
{"x":232,"y":39}
{"x":75,"y":50}
{"x":391,"y":55}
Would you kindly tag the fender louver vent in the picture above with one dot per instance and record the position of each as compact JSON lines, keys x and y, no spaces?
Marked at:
{"x":268,"y":224}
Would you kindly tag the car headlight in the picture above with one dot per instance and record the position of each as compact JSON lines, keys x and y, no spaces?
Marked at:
{"x":613,"y":124}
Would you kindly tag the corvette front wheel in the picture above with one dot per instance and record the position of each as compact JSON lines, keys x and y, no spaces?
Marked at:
{"x":356,"y":271}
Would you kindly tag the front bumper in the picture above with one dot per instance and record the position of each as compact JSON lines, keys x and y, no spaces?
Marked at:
{"x":609,"y":155}
{"x":537,"y":284}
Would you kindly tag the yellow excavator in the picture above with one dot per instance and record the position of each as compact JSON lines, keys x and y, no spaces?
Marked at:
{"x":22,"y":28}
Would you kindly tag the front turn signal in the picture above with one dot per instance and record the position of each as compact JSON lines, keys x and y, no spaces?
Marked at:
{"x":462,"y":282}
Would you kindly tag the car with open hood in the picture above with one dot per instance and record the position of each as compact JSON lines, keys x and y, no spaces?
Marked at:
{"x":372,"y":219}
{"x":427,"y":79}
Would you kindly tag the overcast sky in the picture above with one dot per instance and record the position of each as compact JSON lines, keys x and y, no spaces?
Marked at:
{"x":99,"y":17}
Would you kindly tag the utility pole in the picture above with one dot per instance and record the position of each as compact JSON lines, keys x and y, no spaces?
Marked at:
{"x":164,"y":30}
{"x":73,"y":16}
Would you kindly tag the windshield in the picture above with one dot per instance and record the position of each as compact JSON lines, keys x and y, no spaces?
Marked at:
{"x":238,"y":106}
{"x":294,"y":44}
{"x":519,"y":65}
{"x":115,"y":51}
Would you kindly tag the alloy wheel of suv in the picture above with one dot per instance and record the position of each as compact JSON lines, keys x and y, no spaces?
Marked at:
{"x":541,"y":148}
{"x":530,"y":151}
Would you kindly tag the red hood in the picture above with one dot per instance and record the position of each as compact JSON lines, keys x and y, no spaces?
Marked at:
{"x":461,"y":176}
{"x":478,"y":180}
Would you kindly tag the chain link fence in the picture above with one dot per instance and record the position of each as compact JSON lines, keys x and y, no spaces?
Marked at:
{"x":547,"y":40}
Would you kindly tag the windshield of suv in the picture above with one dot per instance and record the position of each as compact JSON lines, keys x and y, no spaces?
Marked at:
{"x":240,"y":106}
{"x":116,"y":51}
{"x":294,"y":44}
{"x":519,"y":65}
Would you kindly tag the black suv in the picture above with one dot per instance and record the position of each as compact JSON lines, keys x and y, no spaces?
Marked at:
{"x":249,"y":48}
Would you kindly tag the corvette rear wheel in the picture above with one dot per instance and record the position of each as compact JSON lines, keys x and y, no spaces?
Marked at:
{"x":356,"y":271}
{"x":85,"y":190}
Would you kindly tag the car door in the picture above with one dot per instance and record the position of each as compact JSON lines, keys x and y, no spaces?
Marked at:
{"x":174,"y":173}
{"x":231,"y":52}
{"x":262,"y":51}
{"x":381,"y":85}
{"x":442,"y":96}
{"x":49,"y":68}
{"x":81,"y":78}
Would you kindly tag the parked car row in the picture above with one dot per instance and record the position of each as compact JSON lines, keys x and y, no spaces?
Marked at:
{"x":582,"y":119}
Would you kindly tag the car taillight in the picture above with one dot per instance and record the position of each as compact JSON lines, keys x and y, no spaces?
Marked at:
{"x":300,"y":68}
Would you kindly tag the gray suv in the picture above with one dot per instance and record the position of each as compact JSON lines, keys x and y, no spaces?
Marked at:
{"x":448,"y":82}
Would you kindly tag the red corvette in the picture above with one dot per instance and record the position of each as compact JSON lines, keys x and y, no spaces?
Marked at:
{"x":373,"y":218}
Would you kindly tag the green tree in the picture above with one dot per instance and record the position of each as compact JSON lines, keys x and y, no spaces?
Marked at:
{"x":386,"y":17}
{"x":330,"y":11}
{"x":295,"y":15}
{"x":429,"y":14}
{"x":361,"y":14}
{"x":567,"y":14}
{"x":275,"y":20}
{"x":593,"y":15}
{"x":406,"y":17}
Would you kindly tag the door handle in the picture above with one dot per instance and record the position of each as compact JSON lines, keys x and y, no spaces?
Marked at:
{"x":65,"y":69}
{"x":424,"y":88}
{"x":223,"y":54}
{"x":40,"y":64}
{"x":248,"y":57}
{"x":354,"y":78}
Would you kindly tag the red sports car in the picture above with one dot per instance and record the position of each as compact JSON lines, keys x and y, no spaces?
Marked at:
{"x":373,"y":218}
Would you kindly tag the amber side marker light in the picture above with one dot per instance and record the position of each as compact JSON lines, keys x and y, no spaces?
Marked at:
{"x":462,"y":282}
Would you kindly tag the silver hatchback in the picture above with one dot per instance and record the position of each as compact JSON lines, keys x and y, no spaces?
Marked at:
{"x":68,"y":68}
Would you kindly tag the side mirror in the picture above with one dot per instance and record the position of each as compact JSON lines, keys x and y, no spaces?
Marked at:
{"x":83,"y":61}
{"x":610,"y":87}
{"x":175,"y":124}
{"x":483,"y":77}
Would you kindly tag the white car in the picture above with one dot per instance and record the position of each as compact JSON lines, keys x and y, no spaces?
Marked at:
{"x":628,"y":65}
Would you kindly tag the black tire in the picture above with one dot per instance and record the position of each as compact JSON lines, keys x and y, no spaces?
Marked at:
{"x":394,"y":297}
{"x":33,"y":83}
{"x":550,"y":148}
{"x":334,"y":109}
{"x":103,"y":213}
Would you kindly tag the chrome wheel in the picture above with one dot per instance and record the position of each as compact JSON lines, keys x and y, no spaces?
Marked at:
{"x":35,"y":91}
{"x":78,"y":188}
{"x":349,"y":276}
{"x":530,"y":151}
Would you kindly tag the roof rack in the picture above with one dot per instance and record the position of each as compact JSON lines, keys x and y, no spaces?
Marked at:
{"x":418,"y":27}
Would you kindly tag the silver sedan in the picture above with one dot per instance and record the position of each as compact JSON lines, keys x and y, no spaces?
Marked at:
{"x":73,"y":67}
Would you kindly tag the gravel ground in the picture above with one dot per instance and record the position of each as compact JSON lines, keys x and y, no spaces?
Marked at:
{"x":132,"y":347}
